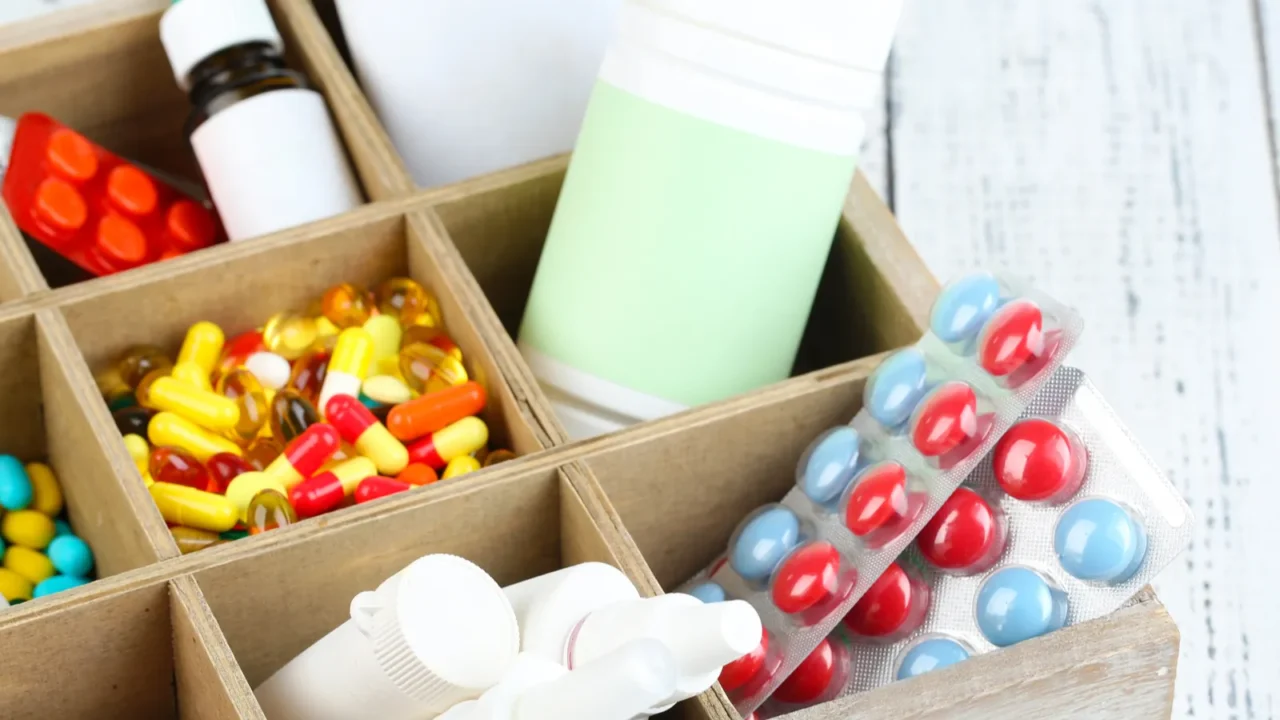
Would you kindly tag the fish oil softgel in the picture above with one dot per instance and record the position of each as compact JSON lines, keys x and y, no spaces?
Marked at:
{"x":1064,"y":521}
{"x":930,"y":413}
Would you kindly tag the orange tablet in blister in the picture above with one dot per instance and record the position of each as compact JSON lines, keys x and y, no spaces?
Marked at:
{"x":93,"y":208}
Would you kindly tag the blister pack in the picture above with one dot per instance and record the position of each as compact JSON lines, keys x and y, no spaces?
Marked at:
{"x":930,"y":413}
{"x":1064,"y":521}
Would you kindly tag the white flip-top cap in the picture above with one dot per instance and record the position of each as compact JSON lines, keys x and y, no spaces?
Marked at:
{"x":8,"y":129}
{"x":193,"y":30}
{"x":442,"y":630}
{"x":702,"y":638}
{"x":621,"y":685}
{"x":549,"y":606}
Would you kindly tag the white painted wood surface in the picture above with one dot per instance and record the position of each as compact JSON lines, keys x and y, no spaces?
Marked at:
{"x":1121,"y":153}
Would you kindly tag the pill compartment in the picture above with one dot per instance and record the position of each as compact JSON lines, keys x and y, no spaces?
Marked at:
{"x":516,"y":524}
{"x":47,"y":421}
{"x":290,"y":271}
{"x":146,"y":649}
{"x":105,"y":75}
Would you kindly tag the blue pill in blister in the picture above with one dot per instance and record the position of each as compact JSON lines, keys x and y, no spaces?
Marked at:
{"x":829,"y":464}
{"x":15,"y":486}
{"x":708,"y":592}
{"x":896,"y":387}
{"x":929,"y":655}
{"x":1016,"y":604}
{"x":1100,"y":540}
{"x":763,"y":541}
{"x":58,"y":583}
{"x":963,"y":306}
{"x":70,"y":555}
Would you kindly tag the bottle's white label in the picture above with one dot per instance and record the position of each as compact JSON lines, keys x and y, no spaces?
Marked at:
{"x":274,"y":161}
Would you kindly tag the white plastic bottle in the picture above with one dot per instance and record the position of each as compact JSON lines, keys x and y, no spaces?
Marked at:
{"x":269,"y":151}
{"x":618,"y":686}
{"x":465,"y":87}
{"x":549,"y":607}
{"x":435,"y":634}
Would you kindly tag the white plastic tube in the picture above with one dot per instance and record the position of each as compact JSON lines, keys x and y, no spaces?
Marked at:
{"x":469,"y":87}
{"x":550,"y":606}
{"x":435,"y":634}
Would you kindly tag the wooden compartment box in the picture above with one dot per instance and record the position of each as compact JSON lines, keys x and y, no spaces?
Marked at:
{"x":164,"y":635}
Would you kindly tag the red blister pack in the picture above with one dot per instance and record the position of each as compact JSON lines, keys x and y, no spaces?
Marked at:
{"x":94,"y":208}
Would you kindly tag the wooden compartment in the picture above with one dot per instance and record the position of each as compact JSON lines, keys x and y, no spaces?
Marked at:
{"x":239,"y":286}
{"x":46,"y":420}
{"x":272,"y":604}
{"x":102,"y":71}
{"x":681,"y":486}
{"x":117,"y":656}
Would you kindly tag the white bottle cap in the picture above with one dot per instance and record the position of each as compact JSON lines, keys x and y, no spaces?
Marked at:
{"x":701,"y":637}
{"x":549,"y":606}
{"x":8,"y":129}
{"x":441,"y":629}
{"x":193,"y":30}
{"x":618,"y":686}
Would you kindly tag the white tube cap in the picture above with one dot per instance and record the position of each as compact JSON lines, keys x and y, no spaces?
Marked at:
{"x":702,"y":638}
{"x":193,"y":30}
{"x":618,"y":686}
{"x":441,"y":629}
{"x":549,"y":606}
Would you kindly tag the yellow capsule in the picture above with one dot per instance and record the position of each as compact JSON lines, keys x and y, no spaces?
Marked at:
{"x":30,"y":564}
{"x":14,"y":587}
{"x":386,"y":389}
{"x":46,"y":492}
{"x":190,"y":374}
{"x":463,"y":437}
{"x":28,"y":528}
{"x":385,"y":331}
{"x":189,"y":539}
{"x":139,"y":450}
{"x":146,"y":479}
{"x":289,"y":334}
{"x":460,"y":465}
{"x":167,"y":428}
{"x":245,"y":486}
{"x":202,"y":346}
{"x":181,"y":505}
{"x":348,"y":365}
{"x":351,"y":472}
{"x":427,"y":368}
{"x":206,"y":409}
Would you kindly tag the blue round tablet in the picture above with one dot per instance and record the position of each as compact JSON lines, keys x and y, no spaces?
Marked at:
{"x":929,"y":655}
{"x":963,"y":306}
{"x":1016,"y":604}
{"x":61,"y":527}
{"x":708,"y":592}
{"x":58,"y":583}
{"x":763,"y":541}
{"x":826,"y":468}
{"x":895,"y":388}
{"x":1099,"y":540}
{"x":15,"y":486}
{"x":70,"y":555}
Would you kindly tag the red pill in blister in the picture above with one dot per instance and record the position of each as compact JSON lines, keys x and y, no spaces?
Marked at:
{"x":737,"y":673}
{"x":880,"y":505}
{"x":966,"y":536}
{"x":892,"y":608}
{"x":812,"y":678}
{"x":1011,"y":338}
{"x":1037,"y":460}
{"x":809,"y":582}
{"x":945,"y":419}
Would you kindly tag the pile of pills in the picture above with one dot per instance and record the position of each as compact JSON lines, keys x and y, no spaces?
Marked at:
{"x":362,"y":396}
{"x":41,"y":554}
{"x":863,"y":490}
{"x":1062,"y":522}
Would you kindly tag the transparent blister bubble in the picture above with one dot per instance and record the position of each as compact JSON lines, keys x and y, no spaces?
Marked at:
{"x":1088,"y":519}
{"x":865,"y":490}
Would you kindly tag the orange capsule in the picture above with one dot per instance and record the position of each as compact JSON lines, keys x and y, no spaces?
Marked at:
{"x":177,"y":466}
{"x":242,"y":387}
{"x":435,"y":410}
{"x":346,"y":305}
{"x":418,"y":474}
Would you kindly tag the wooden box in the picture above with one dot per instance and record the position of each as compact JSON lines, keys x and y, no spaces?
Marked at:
{"x":164,"y":635}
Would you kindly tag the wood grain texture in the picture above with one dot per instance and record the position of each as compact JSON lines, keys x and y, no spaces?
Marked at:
{"x":209,"y":683}
{"x":1117,"y":152}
